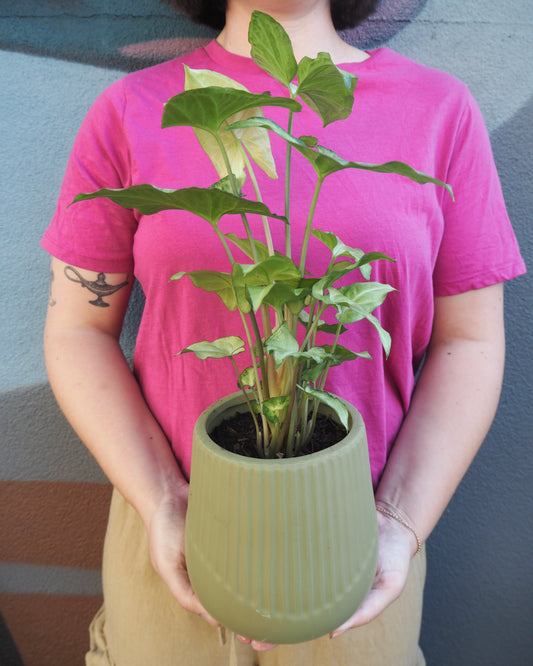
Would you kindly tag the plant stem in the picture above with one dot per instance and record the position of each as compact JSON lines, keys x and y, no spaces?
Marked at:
{"x":308,"y":226}
{"x":333,"y":346}
{"x":235,"y":189}
{"x":312,"y":326}
{"x":288,"y":244}
{"x":266,"y":226}
{"x":265,"y":315}
{"x":290,"y":423}
{"x":225,"y":244}
{"x":258,"y":376}
{"x":249,"y":404}
{"x":261,"y":353}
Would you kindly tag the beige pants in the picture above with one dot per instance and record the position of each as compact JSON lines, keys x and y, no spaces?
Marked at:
{"x":141,"y":624}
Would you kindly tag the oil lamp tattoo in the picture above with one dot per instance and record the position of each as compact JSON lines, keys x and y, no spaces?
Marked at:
{"x":99,"y":287}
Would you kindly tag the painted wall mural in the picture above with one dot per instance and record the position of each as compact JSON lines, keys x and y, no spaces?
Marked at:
{"x":125,"y":35}
{"x":55,"y":58}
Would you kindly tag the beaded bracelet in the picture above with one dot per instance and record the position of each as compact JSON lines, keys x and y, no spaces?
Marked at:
{"x":400,"y":520}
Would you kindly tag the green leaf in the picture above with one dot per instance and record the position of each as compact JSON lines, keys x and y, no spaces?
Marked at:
{"x":220,"y":348}
{"x":309,"y":141}
{"x":271,"y":269}
{"x":273,"y":408}
{"x":327,"y":90}
{"x":280,"y":294}
{"x":239,"y":289}
{"x":320,"y":287}
{"x":339,"y":249}
{"x":209,"y":204}
{"x":208,"y":108}
{"x":244,"y":245}
{"x":367,"y":295}
{"x":258,"y":295}
{"x":356,"y":302}
{"x":272,"y":48}
{"x":215,"y":282}
{"x":331,"y":357}
{"x":247,"y":378}
{"x":326,"y":162}
{"x":303,"y":318}
{"x":352,"y":314}
{"x":255,"y":139}
{"x":329,"y":239}
{"x":332,"y":401}
{"x":282,"y":344}
{"x":225,"y":185}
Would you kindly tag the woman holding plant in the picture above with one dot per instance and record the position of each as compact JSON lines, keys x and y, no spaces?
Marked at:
{"x":450,"y":262}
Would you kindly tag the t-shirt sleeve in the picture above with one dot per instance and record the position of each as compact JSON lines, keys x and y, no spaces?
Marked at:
{"x":96,"y":234}
{"x":478,"y":246}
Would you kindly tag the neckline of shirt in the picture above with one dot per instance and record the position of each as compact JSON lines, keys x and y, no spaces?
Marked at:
{"x":220,"y":55}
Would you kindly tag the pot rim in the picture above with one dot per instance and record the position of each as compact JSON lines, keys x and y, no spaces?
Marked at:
{"x":235,"y":399}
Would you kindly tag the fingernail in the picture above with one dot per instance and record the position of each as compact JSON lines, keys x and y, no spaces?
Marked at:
{"x":336,"y":634}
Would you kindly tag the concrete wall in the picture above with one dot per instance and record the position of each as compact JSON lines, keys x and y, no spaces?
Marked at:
{"x":55,"y":57}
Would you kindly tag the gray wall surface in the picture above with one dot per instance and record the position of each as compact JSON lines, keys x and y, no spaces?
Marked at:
{"x":55,"y":58}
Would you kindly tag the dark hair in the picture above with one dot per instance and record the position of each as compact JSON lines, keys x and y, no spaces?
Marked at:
{"x":345,"y":13}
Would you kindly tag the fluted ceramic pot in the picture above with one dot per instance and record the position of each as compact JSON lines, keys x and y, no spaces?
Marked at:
{"x":280,"y":551}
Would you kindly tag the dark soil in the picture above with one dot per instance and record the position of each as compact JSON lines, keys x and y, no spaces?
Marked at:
{"x":237,"y":434}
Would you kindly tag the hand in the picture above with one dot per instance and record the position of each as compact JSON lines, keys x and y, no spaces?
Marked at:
{"x":396,"y":547}
{"x":166,"y":534}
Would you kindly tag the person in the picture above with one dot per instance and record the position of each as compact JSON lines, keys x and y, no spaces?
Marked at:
{"x":427,"y":408}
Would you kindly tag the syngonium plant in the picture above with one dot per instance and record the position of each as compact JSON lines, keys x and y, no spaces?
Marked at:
{"x":284,"y":384}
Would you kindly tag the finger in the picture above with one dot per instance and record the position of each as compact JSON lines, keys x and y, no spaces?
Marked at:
{"x":263,"y":647}
{"x":180,"y":587}
{"x":191,"y":603}
{"x":257,"y":645}
{"x":377,"y":601}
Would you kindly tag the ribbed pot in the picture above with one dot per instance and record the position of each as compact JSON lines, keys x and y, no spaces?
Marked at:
{"x":280,"y":551}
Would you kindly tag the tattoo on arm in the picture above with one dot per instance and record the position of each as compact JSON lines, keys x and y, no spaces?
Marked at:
{"x":99,"y":287}
{"x":51,"y":300}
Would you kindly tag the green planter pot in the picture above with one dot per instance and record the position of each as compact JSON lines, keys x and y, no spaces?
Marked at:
{"x":281,"y":551}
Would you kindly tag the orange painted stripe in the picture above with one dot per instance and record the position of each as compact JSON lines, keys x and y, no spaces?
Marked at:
{"x":53,"y":523}
{"x":49,"y":630}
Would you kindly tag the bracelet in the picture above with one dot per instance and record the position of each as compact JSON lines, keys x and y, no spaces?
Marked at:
{"x":400,"y":520}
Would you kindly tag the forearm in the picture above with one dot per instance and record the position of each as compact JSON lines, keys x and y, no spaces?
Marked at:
{"x":102,"y":400}
{"x":452,"y":409}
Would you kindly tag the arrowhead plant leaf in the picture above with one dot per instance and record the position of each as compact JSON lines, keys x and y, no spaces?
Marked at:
{"x":271,"y":48}
{"x":331,"y":357}
{"x":331,"y":401}
{"x":208,"y":203}
{"x":281,"y":344}
{"x":273,"y":408}
{"x":244,"y":245}
{"x":326,"y":161}
{"x":255,"y":139}
{"x":222,"y":348}
{"x":207,"y":108}
{"x":323,"y":87}
{"x":214,"y":282}
{"x":247,"y":377}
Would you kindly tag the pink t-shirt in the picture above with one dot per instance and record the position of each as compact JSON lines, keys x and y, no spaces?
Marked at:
{"x":403,"y":111}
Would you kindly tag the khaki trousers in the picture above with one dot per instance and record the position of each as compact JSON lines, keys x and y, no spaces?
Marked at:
{"x":141,"y":624}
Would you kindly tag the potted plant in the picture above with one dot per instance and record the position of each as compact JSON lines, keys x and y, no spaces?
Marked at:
{"x":281,"y":537}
